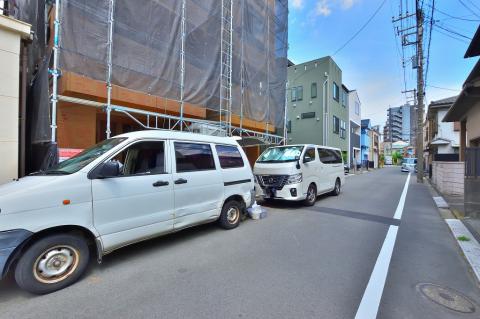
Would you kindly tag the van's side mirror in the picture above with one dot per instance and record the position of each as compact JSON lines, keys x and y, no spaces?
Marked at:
{"x":307,"y":159}
{"x":108,"y":169}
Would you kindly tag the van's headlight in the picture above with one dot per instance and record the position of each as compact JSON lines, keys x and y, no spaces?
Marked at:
{"x":294,"y":179}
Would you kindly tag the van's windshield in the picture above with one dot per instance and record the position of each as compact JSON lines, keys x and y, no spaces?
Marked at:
{"x":280,"y":154}
{"x":82,"y":159}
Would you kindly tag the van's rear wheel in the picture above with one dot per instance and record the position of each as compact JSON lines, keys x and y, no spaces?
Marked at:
{"x":52,"y":263}
{"x":231,"y":214}
{"x":311,"y":195}
{"x":336,"y":188}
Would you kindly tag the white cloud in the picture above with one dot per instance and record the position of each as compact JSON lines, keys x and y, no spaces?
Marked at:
{"x":297,"y":4}
{"x":323,"y":8}
{"x":347,"y":4}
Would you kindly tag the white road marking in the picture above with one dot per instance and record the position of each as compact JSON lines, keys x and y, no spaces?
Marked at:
{"x":401,"y":202}
{"x":370,"y":303}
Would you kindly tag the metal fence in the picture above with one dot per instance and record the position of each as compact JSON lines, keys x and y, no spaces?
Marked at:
{"x":472,"y":162}
{"x":472,"y":182}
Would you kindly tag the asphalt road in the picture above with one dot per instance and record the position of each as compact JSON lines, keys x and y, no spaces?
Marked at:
{"x":298,"y":262}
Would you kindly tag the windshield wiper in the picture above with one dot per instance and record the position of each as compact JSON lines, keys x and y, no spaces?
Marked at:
{"x":56,"y":172}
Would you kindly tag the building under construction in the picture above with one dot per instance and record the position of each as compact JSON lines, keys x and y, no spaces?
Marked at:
{"x":98,"y":68}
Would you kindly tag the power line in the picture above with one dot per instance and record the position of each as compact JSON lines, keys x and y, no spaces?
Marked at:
{"x":473,"y":4}
{"x":453,"y":32}
{"x":361,"y":29}
{"x":454,"y":17}
{"x":442,"y":88}
{"x":468,"y":8}
{"x":429,"y":41}
{"x":451,"y":36}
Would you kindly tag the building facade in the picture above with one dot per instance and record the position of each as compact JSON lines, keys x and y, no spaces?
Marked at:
{"x":355,"y":119}
{"x":400,"y":124}
{"x":317,"y":108}
{"x":365,"y":142}
{"x":442,"y":139}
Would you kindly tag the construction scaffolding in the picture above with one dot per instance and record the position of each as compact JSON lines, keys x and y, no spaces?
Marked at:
{"x":228,"y":57}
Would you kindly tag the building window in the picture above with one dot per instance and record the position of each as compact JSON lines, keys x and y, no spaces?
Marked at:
{"x":357,"y":108}
{"x":336,"y":125}
{"x":313,"y":90}
{"x":343,"y":129}
{"x":344,"y":98}
{"x":336,"y":92}
{"x":299,"y":93}
{"x":289,"y":126}
{"x":308,"y":115}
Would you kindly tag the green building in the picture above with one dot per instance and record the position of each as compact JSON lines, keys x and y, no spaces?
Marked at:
{"x":317,"y":107}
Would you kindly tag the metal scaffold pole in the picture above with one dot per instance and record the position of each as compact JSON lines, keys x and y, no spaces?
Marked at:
{"x":182,"y":65}
{"x":285,"y":135}
{"x":109,"y":64}
{"x":54,"y":72}
{"x":226,"y":46}
{"x":268,"y":72}
{"x":242,"y":66}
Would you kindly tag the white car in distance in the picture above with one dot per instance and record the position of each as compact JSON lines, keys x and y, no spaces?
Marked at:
{"x":299,"y":172}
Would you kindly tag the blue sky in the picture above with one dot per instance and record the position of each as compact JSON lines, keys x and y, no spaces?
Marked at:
{"x":371,"y":62}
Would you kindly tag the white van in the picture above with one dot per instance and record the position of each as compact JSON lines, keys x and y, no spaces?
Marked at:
{"x":123,"y":190}
{"x":299,"y":172}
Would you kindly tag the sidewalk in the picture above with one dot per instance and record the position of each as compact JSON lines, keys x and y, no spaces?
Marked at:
{"x":466,"y":231}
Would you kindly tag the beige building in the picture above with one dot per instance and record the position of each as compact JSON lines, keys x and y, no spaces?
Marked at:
{"x":11,"y":33}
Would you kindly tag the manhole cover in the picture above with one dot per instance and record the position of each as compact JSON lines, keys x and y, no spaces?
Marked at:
{"x":447,"y":297}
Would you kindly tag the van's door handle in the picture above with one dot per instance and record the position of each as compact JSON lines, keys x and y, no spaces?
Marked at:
{"x":160,"y":183}
{"x":181,"y":181}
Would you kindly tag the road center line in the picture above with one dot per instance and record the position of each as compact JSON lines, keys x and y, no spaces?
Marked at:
{"x":370,"y":303}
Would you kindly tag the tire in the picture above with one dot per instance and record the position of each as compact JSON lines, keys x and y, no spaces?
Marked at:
{"x":231,"y":214}
{"x":40,"y":270}
{"x":336,"y":188}
{"x":311,"y":195}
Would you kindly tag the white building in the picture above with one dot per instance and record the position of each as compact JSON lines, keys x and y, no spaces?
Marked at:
{"x":354,"y":128}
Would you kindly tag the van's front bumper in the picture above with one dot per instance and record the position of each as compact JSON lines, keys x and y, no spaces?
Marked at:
{"x":288,"y":192}
{"x":9,"y":241}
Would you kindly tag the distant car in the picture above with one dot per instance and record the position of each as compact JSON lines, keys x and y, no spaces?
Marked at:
{"x":388,"y":160}
{"x":409,"y":165}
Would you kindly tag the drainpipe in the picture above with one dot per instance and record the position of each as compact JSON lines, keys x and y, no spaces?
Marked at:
{"x":325,"y":109}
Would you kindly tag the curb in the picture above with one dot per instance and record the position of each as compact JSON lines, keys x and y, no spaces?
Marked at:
{"x":470,"y":248}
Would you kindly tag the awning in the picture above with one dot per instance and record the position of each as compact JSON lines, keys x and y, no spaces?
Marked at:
{"x":440,"y":141}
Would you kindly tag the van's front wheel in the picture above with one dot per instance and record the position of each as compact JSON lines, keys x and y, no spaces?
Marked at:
{"x":336,"y":189}
{"x":52,"y":263}
{"x":231,"y":214}
{"x":311,"y":195}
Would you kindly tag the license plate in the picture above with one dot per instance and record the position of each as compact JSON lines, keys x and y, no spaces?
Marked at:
{"x":270,"y":192}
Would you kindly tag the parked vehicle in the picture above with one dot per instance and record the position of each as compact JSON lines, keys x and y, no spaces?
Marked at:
{"x":123,"y":190}
{"x":388,"y":160}
{"x":299,"y":172}
{"x":346,"y":169}
{"x":409,"y":165}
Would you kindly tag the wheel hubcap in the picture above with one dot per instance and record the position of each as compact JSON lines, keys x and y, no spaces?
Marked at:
{"x":311,"y":194}
{"x":56,"y":264}
{"x":337,"y":187}
{"x":232,"y":215}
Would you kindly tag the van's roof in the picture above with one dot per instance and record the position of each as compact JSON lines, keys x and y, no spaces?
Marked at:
{"x":176,"y":135}
{"x":312,"y":145}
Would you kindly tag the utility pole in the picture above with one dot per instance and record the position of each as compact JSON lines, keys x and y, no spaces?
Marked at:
{"x":420,"y":93}
{"x":406,"y":33}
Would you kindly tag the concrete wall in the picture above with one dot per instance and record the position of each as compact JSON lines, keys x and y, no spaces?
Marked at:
{"x":10,"y":35}
{"x":448,"y":177}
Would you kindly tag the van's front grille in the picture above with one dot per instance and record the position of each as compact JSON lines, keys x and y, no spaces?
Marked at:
{"x":276,"y":181}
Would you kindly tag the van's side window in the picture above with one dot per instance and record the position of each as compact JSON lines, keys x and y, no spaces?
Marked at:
{"x":229,"y":156}
{"x":328,"y":156}
{"x":142,"y":158}
{"x":310,"y":152}
{"x":193,"y":157}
